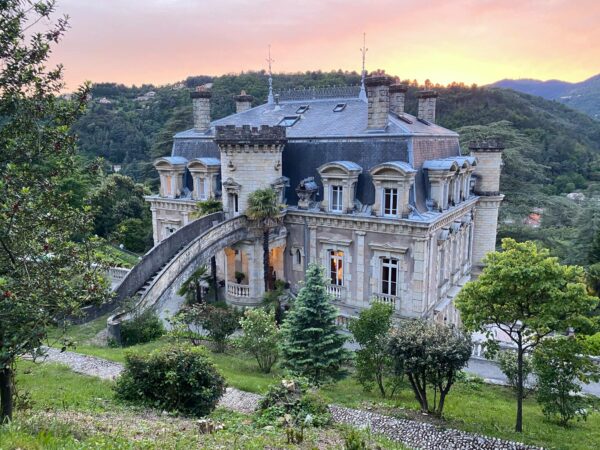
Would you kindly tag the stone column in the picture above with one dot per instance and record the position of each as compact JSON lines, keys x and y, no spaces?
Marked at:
{"x":313,"y":243}
{"x":155,"y":236}
{"x":360,"y":268}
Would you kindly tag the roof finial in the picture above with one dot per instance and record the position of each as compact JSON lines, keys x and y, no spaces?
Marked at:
{"x":363,"y":93}
{"x":270,"y":98}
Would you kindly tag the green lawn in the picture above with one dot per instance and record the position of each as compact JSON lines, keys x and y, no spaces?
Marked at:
{"x":472,"y":407}
{"x":72,"y":411}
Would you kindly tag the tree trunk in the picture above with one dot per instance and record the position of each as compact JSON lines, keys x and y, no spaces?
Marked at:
{"x":519,"y":424}
{"x":266,"y":265}
{"x":6,"y":397}
{"x":379,"y":378}
{"x":213,"y":273}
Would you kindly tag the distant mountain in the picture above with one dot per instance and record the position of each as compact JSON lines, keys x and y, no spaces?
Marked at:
{"x":583,"y":96}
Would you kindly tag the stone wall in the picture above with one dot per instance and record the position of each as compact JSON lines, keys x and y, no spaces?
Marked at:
{"x":378,"y":94}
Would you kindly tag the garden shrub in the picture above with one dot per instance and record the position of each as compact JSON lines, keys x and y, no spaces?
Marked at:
{"x":507,"y":361}
{"x":179,"y":378}
{"x":260,"y":338}
{"x":142,"y":328}
{"x":293,"y":403}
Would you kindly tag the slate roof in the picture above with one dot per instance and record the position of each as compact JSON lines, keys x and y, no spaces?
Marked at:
{"x":208,"y":161}
{"x":319,"y":121}
{"x":401,"y":165}
{"x":175,"y":160}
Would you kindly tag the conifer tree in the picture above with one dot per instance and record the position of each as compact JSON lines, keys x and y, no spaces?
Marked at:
{"x":312,"y":346}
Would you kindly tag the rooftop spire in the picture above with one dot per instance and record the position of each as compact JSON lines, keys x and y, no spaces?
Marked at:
{"x":270,"y":98}
{"x":363,"y":93}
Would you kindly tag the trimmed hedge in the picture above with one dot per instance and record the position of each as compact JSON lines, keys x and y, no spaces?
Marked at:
{"x":178,"y":378}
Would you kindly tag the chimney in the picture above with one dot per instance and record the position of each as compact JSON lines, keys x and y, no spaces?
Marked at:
{"x":427,"y":101}
{"x":243,"y":102}
{"x":378,"y":95}
{"x":201,"y":108}
{"x":397,"y":96}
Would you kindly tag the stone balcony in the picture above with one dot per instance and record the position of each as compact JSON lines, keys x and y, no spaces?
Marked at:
{"x":238,"y":290}
{"x":392,"y":300}
{"x":337,"y":292}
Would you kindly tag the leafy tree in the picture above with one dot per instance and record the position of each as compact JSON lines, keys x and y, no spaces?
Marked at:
{"x":311,"y":343}
{"x":561,"y":366}
{"x":134,"y":234}
{"x":193,"y":287}
{"x":527,"y":294}
{"x":219,"y":321}
{"x":208,"y":206}
{"x":260,"y":338}
{"x":44,"y":275}
{"x":264,"y":209}
{"x":507,"y":360}
{"x":594,"y":255}
{"x":430,"y":354}
{"x":373,"y":361}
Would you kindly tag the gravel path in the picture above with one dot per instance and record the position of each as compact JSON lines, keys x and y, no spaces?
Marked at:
{"x":409,"y":432}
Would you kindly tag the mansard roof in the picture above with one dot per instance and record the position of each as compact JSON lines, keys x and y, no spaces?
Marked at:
{"x":450,"y":163}
{"x":171,"y":161}
{"x":398,"y":166}
{"x":320,"y":121}
{"x":348,"y":167}
{"x":207,"y":162}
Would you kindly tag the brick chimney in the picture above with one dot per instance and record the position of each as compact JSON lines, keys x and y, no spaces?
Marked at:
{"x":378,"y":95}
{"x":243,"y":102}
{"x":201,"y":108}
{"x":397,"y":96}
{"x":427,"y":101}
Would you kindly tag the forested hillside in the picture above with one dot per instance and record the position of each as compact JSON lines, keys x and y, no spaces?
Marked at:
{"x":551,"y":150}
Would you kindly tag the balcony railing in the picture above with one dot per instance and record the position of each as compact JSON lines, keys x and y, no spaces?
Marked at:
{"x":238,"y":290}
{"x":387,"y":299}
{"x":337,"y":292}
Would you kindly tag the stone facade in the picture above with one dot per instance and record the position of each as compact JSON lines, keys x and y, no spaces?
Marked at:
{"x":401,"y":218}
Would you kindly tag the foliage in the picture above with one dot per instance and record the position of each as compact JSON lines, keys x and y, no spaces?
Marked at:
{"x":295,"y":399}
{"x":44,"y":275}
{"x":507,"y":360}
{"x":144,"y":327}
{"x":311,"y":343}
{"x":219,"y":321}
{"x":353,"y":440}
{"x":430,"y":353}
{"x":561,"y":365}
{"x":264,"y":209}
{"x":272,"y":301}
{"x":592,"y":344}
{"x":121,"y":214}
{"x":260,"y":338}
{"x":239,"y":276}
{"x":175,"y":378}
{"x":527,"y":294}
{"x":374,"y":365}
{"x":594,"y":254}
{"x":593,"y":278}
{"x":193,"y":288}
{"x":208,"y":206}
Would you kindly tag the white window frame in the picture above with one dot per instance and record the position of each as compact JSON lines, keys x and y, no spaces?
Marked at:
{"x":394,"y":194}
{"x":336,"y":191}
{"x":336,"y":260}
{"x":393,"y":267}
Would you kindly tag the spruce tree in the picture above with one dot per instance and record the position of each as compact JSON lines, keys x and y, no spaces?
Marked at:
{"x":312,"y":345}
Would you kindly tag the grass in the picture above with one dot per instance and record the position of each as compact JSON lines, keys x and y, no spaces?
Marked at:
{"x":117,"y":257}
{"x":470,"y":406}
{"x":72,"y":411}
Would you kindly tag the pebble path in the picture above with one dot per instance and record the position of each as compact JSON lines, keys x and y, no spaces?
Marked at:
{"x":411,"y":433}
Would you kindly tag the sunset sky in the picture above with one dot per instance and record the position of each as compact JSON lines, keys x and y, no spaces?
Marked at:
{"x":474,"y":41}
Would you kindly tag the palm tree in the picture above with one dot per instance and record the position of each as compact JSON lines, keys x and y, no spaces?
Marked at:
{"x":192,"y":288}
{"x":206,"y":207}
{"x":264,"y":209}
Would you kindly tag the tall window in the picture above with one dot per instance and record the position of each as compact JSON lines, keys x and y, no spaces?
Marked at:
{"x":202,"y":188}
{"x":336,"y":198}
{"x":389,"y":276}
{"x":233,"y":203}
{"x":167,"y":185}
{"x":336,"y":267}
{"x":390,"y":202}
{"x":298,"y":257}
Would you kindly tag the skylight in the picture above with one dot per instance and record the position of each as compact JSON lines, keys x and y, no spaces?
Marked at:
{"x":339,"y":107}
{"x":302,"y":109}
{"x":288,"y":121}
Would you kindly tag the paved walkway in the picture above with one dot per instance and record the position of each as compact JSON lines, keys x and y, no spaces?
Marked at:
{"x":409,"y":432}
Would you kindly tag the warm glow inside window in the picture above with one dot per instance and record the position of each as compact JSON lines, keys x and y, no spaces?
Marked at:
{"x":390,"y":202}
{"x":337,"y":194}
{"x":336,"y":267}
{"x":389,"y":276}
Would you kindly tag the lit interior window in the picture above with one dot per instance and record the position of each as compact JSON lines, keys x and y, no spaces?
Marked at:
{"x":336,"y":267}
{"x":288,"y":121}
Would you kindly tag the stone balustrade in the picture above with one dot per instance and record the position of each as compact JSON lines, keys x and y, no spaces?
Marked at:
{"x":387,"y":299}
{"x":337,"y":292}
{"x":238,"y":290}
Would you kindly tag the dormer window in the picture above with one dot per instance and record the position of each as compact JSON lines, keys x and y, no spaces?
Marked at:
{"x":339,"y":107}
{"x":288,"y":121}
{"x":337,"y":198}
{"x":339,"y":185}
{"x":302,"y":109}
{"x":390,"y":202}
